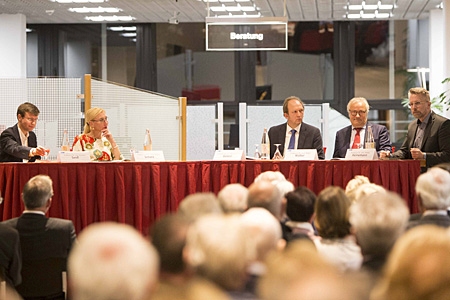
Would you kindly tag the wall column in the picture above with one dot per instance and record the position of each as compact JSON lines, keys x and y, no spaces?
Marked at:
{"x":13,"y":46}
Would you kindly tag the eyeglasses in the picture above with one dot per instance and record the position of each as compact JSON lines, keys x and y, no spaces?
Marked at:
{"x":418,"y":103}
{"x":357,"y":112}
{"x":102,"y":120}
{"x":32,"y":120}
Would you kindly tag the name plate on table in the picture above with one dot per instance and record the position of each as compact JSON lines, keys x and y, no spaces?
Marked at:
{"x":147,"y":156}
{"x":229,"y":155}
{"x":301,"y":154}
{"x":361,"y":154}
{"x":74,"y":156}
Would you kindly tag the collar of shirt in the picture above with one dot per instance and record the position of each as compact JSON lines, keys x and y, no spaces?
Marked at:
{"x":23,"y":137}
{"x":289,"y":128}
{"x":424,"y":123}
{"x":37,"y":212}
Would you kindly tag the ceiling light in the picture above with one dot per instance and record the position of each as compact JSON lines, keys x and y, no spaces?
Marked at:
{"x":78,"y":1}
{"x":96,"y":10}
{"x":122,"y":28}
{"x":110,"y":18}
{"x":128,"y":34}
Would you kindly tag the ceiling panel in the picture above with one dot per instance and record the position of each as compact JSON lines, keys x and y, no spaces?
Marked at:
{"x":160,"y":11}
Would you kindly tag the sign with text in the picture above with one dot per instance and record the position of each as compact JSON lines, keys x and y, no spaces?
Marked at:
{"x":361,"y":154}
{"x":246,"y":34}
{"x":143,"y":156}
{"x":73,"y":156}
{"x":301,"y":154}
{"x":229,"y":155}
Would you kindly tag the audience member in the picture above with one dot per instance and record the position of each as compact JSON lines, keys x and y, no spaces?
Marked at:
{"x":265,"y":194}
{"x":303,"y":136}
{"x":270,"y":176}
{"x":300,"y":272}
{"x":300,"y":211}
{"x":353,"y":136}
{"x":217,"y":250}
{"x":168,"y":236}
{"x":418,"y":267}
{"x":233,"y":198}
{"x":10,"y":256}
{"x":337,"y":245}
{"x":378,"y":221}
{"x":366,"y":189}
{"x":433,"y":193}
{"x":19,"y":143}
{"x":96,"y":138}
{"x":428,"y":137}
{"x":45,"y":242}
{"x":353,"y":184}
{"x":196,"y":205}
{"x":112,"y":261}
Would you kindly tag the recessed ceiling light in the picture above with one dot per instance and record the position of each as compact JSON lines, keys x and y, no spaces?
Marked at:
{"x":96,"y":10}
{"x":78,"y":1}
{"x":110,"y":18}
{"x":122,"y":28}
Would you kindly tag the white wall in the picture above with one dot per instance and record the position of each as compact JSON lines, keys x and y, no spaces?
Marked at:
{"x":13,"y":46}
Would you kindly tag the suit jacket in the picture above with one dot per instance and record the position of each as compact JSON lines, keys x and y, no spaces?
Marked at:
{"x":435,"y":143}
{"x":10,"y":255}
{"x":309,"y":138}
{"x":11,"y":149}
{"x":343,"y":136}
{"x":45,"y":245}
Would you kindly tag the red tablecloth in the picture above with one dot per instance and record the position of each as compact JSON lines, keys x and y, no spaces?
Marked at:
{"x":138,"y":193}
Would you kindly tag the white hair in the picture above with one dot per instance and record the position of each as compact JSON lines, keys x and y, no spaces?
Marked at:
{"x":112,"y":261}
{"x":433,"y":189}
{"x":264,"y":229}
{"x":366,"y":189}
{"x":233,"y":198}
{"x":270,"y":176}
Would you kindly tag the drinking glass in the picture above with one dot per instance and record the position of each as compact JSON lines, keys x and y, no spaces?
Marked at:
{"x":257,"y":154}
{"x":277,"y":155}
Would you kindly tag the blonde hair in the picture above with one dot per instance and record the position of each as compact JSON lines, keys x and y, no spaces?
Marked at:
{"x":90,"y":115}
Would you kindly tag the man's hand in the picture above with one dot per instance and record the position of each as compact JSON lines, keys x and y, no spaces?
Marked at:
{"x":416,"y":153}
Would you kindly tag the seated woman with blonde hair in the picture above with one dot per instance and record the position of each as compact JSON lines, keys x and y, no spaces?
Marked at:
{"x":96,"y":138}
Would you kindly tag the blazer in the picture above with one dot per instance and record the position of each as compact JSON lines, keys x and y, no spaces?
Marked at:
{"x":11,"y":149}
{"x":438,"y":220}
{"x":45,"y":244}
{"x":10,"y":255}
{"x":309,"y":138}
{"x":343,"y":137}
{"x":435,"y":143}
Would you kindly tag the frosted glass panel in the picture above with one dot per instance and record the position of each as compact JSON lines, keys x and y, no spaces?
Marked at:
{"x":201,"y":132}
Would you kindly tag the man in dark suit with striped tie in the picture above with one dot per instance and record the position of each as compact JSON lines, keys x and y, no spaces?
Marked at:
{"x":294,"y":134}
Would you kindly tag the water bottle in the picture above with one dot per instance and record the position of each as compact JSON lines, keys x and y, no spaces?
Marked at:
{"x":369,"y":142}
{"x":265,"y":146}
{"x":65,"y":141}
{"x":147,"y":141}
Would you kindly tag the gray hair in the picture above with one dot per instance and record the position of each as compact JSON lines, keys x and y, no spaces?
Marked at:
{"x":358,"y":99}
{"x":233,"y":198}
{"x":433,"y":189}
{"x":37,"y":191}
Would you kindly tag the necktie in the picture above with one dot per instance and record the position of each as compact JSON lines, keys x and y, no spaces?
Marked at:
{"x":357,"y":139}
{"x":292,"y":140}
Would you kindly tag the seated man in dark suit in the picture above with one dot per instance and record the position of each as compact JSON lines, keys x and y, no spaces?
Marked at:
{"x":10,"y":256}
{"x":294,"y":134}
{"x":19,"y":143}
{"x":433,"y":193}
{"x":428,"y":137}
{"x":354,"y":134}
{"x":45,"y":242}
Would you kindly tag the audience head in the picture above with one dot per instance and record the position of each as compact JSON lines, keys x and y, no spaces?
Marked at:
{"x":196,"y":205}
{"x":443,"y":166}
{"x":365,"y":190}
{"x":332,"y":212}
{"x":90,"y":115}
{"x":112,"y":261}
{"x":433,"y":189}
{"x":264,"y":229}
{"x":300,"y":272}
{"x":37,"y":193}
{"x":265,"y":194}
{"x":168,"y":236}
{"x":378,"y":221}
{"x":353,"y":184}
{"x":418,"y":267}
{"x":233,"y":198}
{"x":217,"y":249}
{"x":270,"y":176}
{"x":300,"y":204}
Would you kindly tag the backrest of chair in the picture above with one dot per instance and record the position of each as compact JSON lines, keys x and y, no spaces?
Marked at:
{"x":42,"y":277}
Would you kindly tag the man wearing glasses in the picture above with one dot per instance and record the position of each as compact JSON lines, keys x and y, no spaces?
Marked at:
{"x":353,"y":136}
{"x":19,"y":143}
{"x":428,"y":137}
